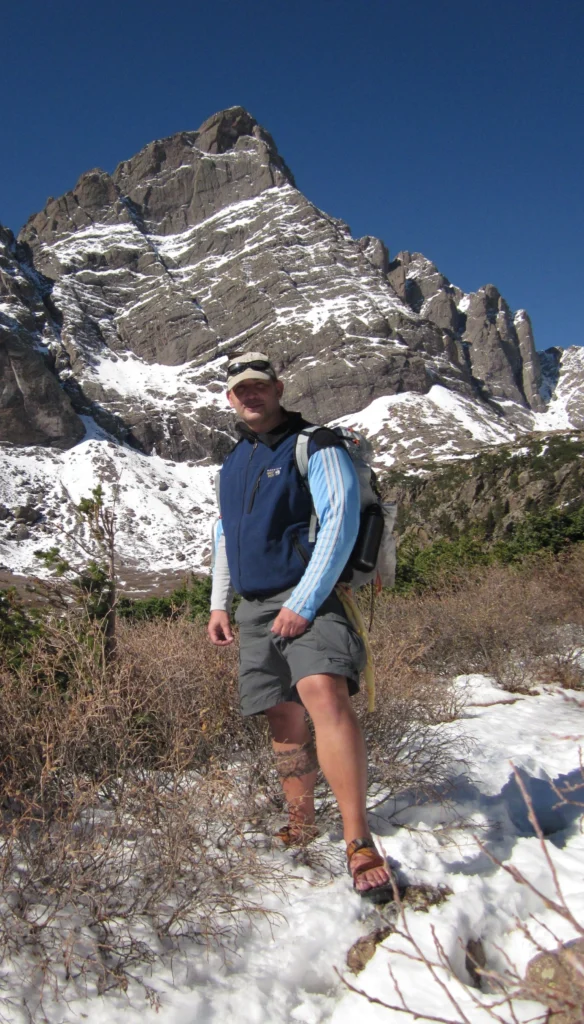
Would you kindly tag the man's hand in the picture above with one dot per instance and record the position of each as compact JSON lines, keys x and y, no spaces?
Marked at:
{"x":289,"y":624}
{"x":219,"y":629}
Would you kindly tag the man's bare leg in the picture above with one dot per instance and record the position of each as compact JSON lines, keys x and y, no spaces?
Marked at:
{"x":295,"y":760}
{"x":342,"y":756}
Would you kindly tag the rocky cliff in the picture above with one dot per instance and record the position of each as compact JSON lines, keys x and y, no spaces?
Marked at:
{"x":201,"y":245}
{"x":498,"y":346}
{"x":34,"y":408}
{"x":121,"y":302}
{"x":489,"y":495}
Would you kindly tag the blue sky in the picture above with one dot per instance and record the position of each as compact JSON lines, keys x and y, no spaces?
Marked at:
{"x":449,"y":127}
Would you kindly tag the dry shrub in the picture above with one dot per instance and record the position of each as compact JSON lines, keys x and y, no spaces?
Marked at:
{"x":564,"y":667}
{"x":186,"y":691}
{"x":411,"y":744}
{"x":119,"y":872}
{"x":132,"y":791}
{"x":133,"y":794}
{"x":506,"y":622}
{"x":124,"y":827}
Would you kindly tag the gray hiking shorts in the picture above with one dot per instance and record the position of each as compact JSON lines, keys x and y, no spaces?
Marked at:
{"x":271,"y":665}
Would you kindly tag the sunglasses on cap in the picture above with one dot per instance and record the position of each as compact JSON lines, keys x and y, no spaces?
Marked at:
{"x":254,"y":364}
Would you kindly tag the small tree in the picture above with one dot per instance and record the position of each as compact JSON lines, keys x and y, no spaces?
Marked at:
{"x":96,"y":580}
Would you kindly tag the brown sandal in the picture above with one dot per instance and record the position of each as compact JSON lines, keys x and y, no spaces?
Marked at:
{"x":296,"y":835}
{"x":377,"y":893}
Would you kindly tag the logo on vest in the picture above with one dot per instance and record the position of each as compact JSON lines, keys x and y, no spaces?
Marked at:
{"x":274,"y":472}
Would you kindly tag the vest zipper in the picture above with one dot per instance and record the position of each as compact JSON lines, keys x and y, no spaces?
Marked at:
{"x":254,"y":492}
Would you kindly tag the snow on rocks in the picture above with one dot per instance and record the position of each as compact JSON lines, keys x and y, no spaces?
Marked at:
{"x":131,"y":379}
{"x":440,"y":425}
{"x":163,"y":510}
{"x":566,"y":408}
{"x":185,"y":254}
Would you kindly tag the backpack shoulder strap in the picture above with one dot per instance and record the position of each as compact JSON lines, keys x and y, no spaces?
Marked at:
{"x":301,"y":459}
{"x":301,"y":450}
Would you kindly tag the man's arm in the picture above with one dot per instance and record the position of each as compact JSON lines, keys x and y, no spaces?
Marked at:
{"x":335,"y":494}
{"x":219,"y":627}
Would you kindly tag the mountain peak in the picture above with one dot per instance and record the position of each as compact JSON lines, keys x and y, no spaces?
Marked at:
{"x":221,"y":133}
{"x":122,"y":301}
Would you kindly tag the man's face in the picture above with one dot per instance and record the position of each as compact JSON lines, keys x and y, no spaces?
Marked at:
{"x":257,"y":402}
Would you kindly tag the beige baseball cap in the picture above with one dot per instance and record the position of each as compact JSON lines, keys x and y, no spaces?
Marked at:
{"x":249,"y":366}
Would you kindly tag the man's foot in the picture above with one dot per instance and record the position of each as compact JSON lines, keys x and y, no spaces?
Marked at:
{"x":371,"y":876}
{"x":299,"y":833}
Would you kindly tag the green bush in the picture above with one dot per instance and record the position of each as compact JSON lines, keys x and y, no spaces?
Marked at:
{"x":18,"y":627}
{"x":420,"y":568}
{"x":191,"y":598}
{"x":552,"y":529}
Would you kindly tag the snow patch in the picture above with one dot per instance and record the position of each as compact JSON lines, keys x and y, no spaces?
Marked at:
{"x":164,"y":510}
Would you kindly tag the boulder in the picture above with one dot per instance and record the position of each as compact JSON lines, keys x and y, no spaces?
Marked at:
{"x":29,"y":514}
{"x":556,"y":979}
{"x":362,"y":951}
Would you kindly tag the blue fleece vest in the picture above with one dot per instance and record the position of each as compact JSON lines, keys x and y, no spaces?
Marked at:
{"x":265,"y":513}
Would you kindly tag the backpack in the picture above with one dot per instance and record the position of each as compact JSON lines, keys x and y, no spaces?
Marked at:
{"x":377,"y":517}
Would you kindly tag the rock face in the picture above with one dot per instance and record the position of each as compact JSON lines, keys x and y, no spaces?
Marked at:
{"x":565,"y":382}
{"x":201,"y":245}
{"x":33,"y":407}
{"x":499,"y":348}
{"x":489,"y":495}
{"x":123,"y":299}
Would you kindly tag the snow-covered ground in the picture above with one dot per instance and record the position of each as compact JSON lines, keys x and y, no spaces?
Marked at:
{"x":440,"y":425}
{"x":566,"y":407}
{"x":164,"y":510}
{"x":285,"y":970}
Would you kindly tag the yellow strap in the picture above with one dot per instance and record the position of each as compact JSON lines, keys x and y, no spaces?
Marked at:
{"x":353,"y":613}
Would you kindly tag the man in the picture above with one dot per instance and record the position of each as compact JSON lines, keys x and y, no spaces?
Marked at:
{"x":298,"y":652}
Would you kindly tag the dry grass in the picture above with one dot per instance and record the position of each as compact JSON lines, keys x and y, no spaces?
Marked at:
{"x":520,"y":626}
{"x":133,"y":793}
{"x":408,"y":745}
{"x":124,"y":828}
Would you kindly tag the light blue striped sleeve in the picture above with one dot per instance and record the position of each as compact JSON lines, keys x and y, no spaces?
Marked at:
{"x":335,"y":493}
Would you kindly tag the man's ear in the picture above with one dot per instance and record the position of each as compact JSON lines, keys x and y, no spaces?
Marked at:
{"x":230,"y":398}
{"x":279,"y":388}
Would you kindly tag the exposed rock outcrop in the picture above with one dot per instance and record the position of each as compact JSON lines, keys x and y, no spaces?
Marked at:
{"x":34,"y":409}
{"x":122,"y":301}
{"x":200,"y":245}
{"x":488,"y":495}
{"x":499,"y":348}
{"x":124,"y":298}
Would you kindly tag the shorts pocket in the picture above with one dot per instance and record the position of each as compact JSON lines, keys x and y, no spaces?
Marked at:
{"x":280,"y":642}
{"x":336,"y":638}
